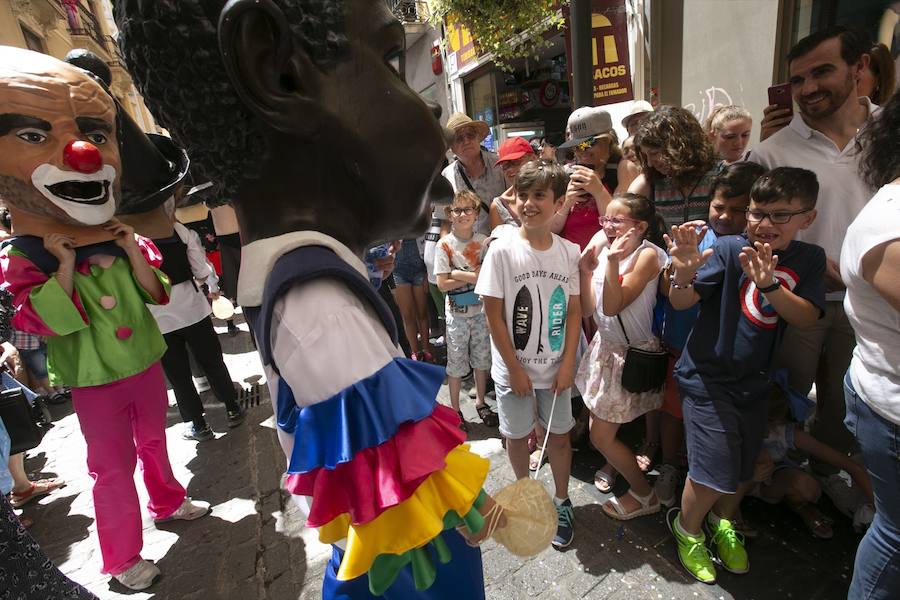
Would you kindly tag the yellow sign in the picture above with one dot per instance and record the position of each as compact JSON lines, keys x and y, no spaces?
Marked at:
{"x":460,"y":41}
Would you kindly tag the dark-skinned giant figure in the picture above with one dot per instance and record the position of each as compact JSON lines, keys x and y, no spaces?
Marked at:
{"x":298,"y":110}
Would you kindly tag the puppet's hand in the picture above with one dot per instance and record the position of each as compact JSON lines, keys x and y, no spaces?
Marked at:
{"x":62,"y":247}
{"x":494,"y":519}
{"x":124,"y":235}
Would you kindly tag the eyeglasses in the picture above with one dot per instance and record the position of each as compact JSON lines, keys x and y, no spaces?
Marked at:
{"x":457,"y":212}
{"x":780,"y":218}
{"x":463,"y":136}
{"x":616,"y":221}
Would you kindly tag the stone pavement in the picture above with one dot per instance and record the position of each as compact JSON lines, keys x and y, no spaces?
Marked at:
{"x":254,"y":545}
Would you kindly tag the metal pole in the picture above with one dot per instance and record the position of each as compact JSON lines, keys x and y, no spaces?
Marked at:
{"x":582,"y":55}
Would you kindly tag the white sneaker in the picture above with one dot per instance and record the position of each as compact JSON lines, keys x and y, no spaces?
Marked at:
{"x":666,"y":486}
{"x":202,"y":384}
{"x":140,"y":576}
{"x":188,"y":511}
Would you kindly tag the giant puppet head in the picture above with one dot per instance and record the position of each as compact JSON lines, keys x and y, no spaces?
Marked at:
{"x":297,"y":109}
{"x":59,"y":154}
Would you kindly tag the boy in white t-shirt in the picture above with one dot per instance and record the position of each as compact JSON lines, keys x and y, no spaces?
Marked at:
{"x":529,"y":284}
{"x":457,"y":261}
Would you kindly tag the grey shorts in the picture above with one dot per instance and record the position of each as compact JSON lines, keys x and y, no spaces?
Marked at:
{"x":519,"y":414}
{"x":468,"y":343}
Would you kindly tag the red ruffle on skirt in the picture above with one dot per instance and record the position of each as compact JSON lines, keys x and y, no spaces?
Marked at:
{"x":383,"y":476}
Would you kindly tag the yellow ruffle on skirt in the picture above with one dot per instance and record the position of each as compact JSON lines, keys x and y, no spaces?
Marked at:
{"x":415,"y":521}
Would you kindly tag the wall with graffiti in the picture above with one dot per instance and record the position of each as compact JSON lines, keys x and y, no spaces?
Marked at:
{"x":727,"y":55}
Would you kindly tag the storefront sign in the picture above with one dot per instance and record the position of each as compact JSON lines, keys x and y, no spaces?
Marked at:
{"x":609,"y":33}
{"x":460,"y":45}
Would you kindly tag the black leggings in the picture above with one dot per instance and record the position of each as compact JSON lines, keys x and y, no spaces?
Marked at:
{"x":201,"y":337}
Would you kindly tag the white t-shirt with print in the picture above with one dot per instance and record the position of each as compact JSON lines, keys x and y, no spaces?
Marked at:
{"x":463,"y":255}
{"x":535,"y":286}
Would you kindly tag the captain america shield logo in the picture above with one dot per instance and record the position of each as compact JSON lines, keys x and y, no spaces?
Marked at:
{"x":754,"y":303}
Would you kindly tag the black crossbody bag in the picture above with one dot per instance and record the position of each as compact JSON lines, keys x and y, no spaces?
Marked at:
{"x":25,"y":424}
{"x":644,"y":370}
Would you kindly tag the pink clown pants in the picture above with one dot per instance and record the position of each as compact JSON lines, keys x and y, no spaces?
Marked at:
{"x":123,"y":422}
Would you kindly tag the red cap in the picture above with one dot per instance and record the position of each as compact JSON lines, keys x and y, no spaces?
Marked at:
{"x":514,"y":149}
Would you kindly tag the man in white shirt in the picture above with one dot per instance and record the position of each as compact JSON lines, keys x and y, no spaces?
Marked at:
{"x":185,"y":323}
{"x":822,"y":138}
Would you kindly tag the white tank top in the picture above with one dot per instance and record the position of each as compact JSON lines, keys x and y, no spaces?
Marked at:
{"x":875,"y":369}
{"x":637,"y":316}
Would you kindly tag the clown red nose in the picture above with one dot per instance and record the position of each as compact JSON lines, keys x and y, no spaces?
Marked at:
{"x":83,"y":157}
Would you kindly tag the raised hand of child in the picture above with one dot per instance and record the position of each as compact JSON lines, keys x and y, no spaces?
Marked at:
{"x":623,"y":245}
{"x":683,"y":248}
{"x":62,"y":247}
{"x":124,"y":235}
{"x":589,"y":261}
{"x":759,"y":264}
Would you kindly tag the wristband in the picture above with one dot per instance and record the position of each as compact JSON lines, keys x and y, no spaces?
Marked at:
{"x":770,"y":288}
{"x":676,"y":286}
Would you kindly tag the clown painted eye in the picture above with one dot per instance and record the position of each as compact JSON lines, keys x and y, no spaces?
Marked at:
{"x":32,"y":136}
{"x":96,"y":138}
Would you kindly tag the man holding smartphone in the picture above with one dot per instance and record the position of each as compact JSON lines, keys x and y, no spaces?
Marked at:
{"x":822,"y":137}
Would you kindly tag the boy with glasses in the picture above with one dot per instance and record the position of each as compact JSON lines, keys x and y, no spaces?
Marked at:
{"x":749,"y":288}
{"x":727,"y":216}
{"x":457,"y":261}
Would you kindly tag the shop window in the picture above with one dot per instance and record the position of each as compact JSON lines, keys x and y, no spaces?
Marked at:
{"x":878,"y":18}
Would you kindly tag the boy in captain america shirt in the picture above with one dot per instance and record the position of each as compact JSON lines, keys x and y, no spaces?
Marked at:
{"x":749,"y":288}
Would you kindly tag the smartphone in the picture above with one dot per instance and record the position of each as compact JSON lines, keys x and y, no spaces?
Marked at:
{"x":780,"y":96}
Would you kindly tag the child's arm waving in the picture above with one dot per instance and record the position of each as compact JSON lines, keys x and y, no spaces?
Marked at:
{"x":686,"y":261}
{"x":618,"y":293}
{"x":759,"y":265}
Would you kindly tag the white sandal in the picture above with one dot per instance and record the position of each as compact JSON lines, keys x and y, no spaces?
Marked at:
{"x":621,"y":514}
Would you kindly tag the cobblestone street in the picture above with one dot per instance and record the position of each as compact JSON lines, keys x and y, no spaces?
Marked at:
{"x":254,"y":544}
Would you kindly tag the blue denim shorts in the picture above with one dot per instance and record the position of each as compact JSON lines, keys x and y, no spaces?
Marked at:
{"x":409,"y":268}
{"x":36,"y":361}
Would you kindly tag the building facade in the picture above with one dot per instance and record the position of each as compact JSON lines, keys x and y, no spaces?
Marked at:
{"x":55,"y":27}
{"x":698,"y":54}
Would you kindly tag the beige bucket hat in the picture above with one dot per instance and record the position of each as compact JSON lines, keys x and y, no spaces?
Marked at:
{"x":459,"y":121}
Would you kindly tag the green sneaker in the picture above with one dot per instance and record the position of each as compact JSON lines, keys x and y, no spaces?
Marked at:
{"x":692,"y":551}
{"x":729,"y":546}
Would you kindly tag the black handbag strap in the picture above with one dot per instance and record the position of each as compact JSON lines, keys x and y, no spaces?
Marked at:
{"x":465,"y":178}
{"x":622,"y":325}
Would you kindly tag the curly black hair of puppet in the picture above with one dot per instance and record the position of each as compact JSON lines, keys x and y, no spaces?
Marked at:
{"x":171,"y":48}
{"x":881,"y":145}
